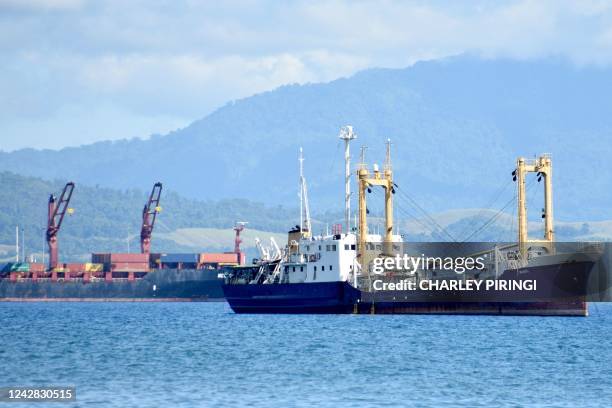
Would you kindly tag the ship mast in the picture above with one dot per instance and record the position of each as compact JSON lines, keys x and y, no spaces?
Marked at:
{"x":389,"y":190}
{"x":543,"y":167}
{"x":366,"y":181}
{"x":347,"y":134}
{"x":305,"y":227}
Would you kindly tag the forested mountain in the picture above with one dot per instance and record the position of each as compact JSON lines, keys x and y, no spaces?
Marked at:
{"x":457,"y":126}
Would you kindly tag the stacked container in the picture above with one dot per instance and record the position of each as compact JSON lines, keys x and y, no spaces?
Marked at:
{"x":215,"y":259}
{"x":155,"y":261}
{"x":37,"y":267}
{"x":129,"y":262}
{"x":75,"y":268}
{"x":94,"y":267}
{"x":122,"y":262}
{"x":180,"y":261}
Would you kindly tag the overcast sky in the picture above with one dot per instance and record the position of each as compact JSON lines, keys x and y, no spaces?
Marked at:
{"x":78,"y":71}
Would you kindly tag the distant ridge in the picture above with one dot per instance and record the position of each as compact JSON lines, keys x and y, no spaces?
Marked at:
{"x":457,"y":126}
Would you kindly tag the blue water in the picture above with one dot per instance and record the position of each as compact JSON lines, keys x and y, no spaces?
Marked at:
{"x":201,"y":354}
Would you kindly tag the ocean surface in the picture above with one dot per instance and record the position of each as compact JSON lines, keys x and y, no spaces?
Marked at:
{"x":201,"y":354}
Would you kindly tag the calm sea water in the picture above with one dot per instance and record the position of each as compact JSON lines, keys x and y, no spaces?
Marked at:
{"x":201,"y":354}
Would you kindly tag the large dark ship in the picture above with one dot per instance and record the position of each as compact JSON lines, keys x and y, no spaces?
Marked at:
{"x":334,"y":272}
{"x":164,"y":284}
{"x":143,"y":276}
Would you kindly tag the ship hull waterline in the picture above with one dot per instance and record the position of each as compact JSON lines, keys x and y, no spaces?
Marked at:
{"x":162,"y":285}
{"x":343,"y":298}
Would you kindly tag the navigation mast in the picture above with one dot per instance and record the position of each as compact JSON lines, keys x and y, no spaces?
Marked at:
{"x":305,"y":227}
{"x":347,"y":134}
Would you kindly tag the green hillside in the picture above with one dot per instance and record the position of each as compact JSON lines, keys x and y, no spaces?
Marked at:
{"x":106,"y":220}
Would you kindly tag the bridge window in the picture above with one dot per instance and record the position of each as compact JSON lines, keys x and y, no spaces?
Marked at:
{"x":323,"y":267}
{"x":330,"y":267}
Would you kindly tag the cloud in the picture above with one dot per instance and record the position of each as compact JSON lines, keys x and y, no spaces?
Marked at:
{"x":156,"y":59}
{"x":39,"y":5}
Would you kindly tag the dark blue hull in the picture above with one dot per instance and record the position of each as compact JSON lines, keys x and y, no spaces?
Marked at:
{"x":324,"y":297}
{"x":342,"y":298}
{"x":560,"y":294}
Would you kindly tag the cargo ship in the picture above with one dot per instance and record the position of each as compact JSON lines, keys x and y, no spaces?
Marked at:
{"x":143,"y":276}
{"x":333,"y":272}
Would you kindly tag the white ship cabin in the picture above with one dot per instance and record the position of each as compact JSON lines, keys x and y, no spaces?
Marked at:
{"x":327,"y":258}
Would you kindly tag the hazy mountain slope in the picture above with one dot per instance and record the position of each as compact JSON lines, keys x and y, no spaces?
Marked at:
{"x":457,"y":126}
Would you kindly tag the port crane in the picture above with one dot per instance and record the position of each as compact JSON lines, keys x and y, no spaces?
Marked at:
{"x":238,"y":228}
{"x":149,"y":213}
{"x":56,"y":211}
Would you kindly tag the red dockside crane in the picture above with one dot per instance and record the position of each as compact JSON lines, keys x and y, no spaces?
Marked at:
{"x":57,"y":211}
{"x":149,"y":213}
{"x":238,"y":228}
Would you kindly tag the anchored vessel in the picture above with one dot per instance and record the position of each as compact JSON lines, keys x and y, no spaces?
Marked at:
{"x":143,"y":276}
{"x":333,"y":272}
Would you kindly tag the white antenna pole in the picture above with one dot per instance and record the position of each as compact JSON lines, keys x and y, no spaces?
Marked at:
{"x":17,"y":243}
{"x":347,"y":134}
{"x":23,"y":257}
{"x":301,"y":160}
{"x":43,"y":245}
{"x":304,"y":208}
{"x":307,"y":225}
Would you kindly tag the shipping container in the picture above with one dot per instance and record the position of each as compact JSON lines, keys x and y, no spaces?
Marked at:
{"x":129,"y":266}
{"x":100,"y":258}
{"x":76,"y":267}
{"x":20,"y":267}
{"x":219,"y":258}
{"x":155,"y":259}
{"x":94,"y":267}
{"x":180,"y":258}
{"x":37,"y":267}
{"x":129,"y":258}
